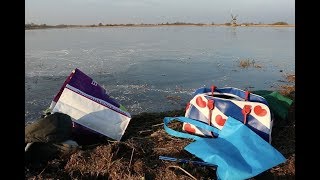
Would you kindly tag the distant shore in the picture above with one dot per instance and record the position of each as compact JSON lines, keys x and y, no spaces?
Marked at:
{"x":43,"y":26}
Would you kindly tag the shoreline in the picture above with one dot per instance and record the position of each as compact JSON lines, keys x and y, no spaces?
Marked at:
{"x":156,"y":25}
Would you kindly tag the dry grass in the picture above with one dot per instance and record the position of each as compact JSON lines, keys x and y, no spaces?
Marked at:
{"x":290,"y":78}
{"x":246,"y":63}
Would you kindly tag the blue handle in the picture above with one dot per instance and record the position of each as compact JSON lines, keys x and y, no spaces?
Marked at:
{"x":202,"y":163}
{"x":199,"y":124}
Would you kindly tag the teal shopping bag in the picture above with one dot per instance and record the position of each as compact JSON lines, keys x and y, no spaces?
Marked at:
{"x":238,"y":152}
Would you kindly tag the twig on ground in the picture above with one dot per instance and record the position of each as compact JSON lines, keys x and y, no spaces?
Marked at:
{"x":148,"y":130}
{"x":164,"y":148}
{"x":131,"y":157}
{"x":183,"y":171}
{"x":157,"y":125}
{"x":43,"y":170}
{"x":112,"y":141}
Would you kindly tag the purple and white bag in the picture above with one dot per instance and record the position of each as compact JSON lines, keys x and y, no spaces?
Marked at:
{"x":88,"y":104}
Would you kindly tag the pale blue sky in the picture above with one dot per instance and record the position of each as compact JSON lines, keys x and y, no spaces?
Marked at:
{"x":53,"y":12}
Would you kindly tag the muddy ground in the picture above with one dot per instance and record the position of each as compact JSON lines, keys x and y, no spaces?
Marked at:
{"x":136,"y":156}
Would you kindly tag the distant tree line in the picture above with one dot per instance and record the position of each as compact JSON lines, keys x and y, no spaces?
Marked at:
{"x":260,"y":23}
{"x":44,"y":26}
{"x":280,"y":23}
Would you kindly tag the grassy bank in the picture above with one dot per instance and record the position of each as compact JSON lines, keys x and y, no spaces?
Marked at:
{"x":136,"y":156}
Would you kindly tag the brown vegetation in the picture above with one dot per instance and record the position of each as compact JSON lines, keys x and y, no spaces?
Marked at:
{"x":245,"y":63}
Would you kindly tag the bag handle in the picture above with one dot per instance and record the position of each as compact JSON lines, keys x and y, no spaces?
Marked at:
{"x":226,"y":91}
{"x":199,"y":124}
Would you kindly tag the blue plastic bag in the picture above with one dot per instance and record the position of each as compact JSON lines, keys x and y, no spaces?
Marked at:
{"x":238,"y":152}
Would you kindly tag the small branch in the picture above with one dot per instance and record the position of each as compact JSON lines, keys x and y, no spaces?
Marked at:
{"x":163,"y":148}
{"x":130,"y":162}
{"x":184,"y":171}
{"x":148,"y":130}
{"x":27,"y":146}
{"x":131,"y":157}
{"x":43,"y":170}
{"x":157,"y":125}
{"x":117,"y":151}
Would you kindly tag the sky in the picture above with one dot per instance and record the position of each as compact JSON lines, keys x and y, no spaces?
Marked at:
{"x":87,"y":12}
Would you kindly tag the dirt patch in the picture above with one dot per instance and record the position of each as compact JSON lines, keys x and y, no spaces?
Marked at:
{"x":137,"y":155}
